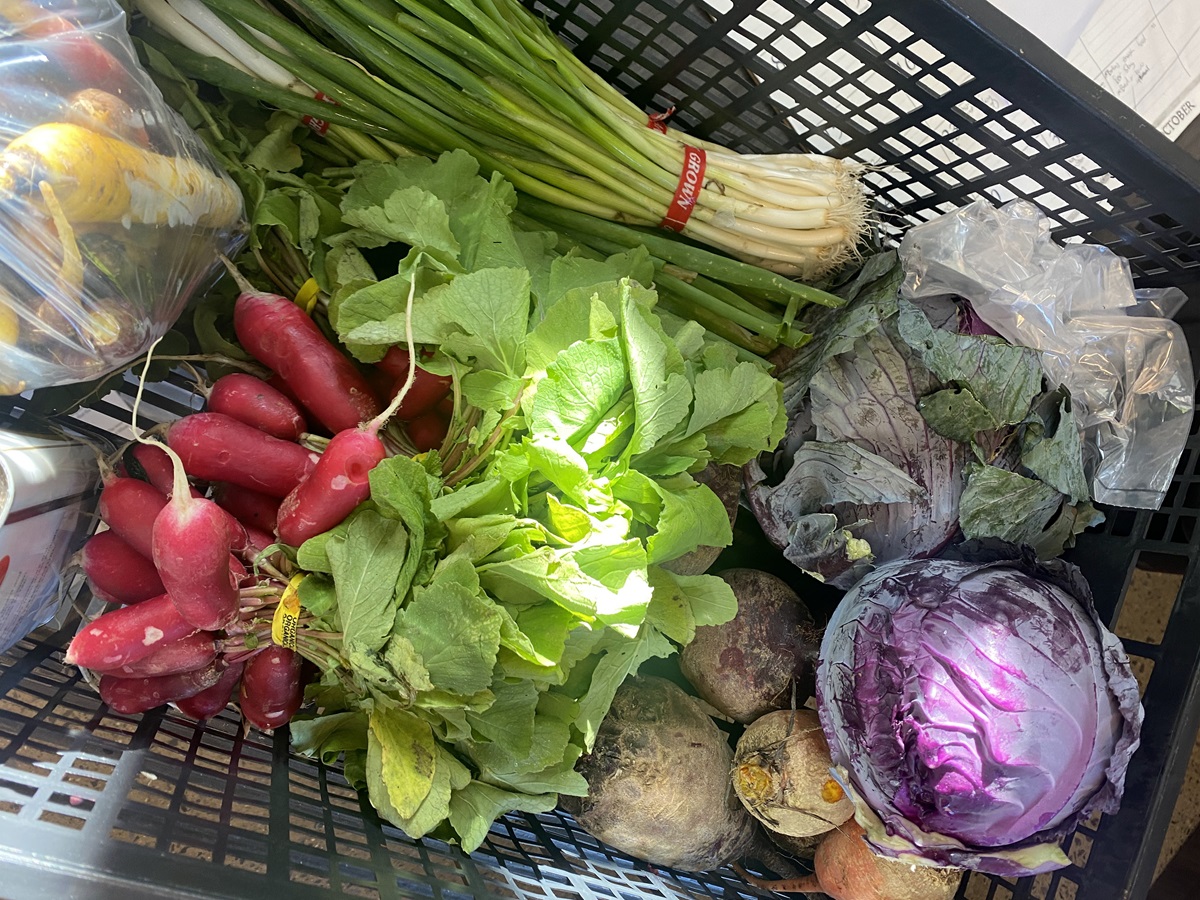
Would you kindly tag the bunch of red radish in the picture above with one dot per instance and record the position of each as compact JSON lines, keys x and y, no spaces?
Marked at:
{"x":187,"y":572}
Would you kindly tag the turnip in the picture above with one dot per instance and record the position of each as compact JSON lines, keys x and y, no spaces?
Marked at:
{"x":755,"y":662}
{"x":781,"y":774}
{"x":658,"y":782}
{"x":846,"y":869}
{"x":726,"y":483}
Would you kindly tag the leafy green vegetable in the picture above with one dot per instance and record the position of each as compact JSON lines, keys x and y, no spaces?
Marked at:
{"x":622,"y":659}
{"x":455,"y":633}
{"x":1070,"y":522}
{"x":1052,"y":448}
{"x":1004,"y":504}
{"x":476,"y":615}
{"x":956,"y":414}
{"x":401,"y":759}
{"x":366,"y":602}
{"x":475,"y":807}
{"x":1003,"y":378}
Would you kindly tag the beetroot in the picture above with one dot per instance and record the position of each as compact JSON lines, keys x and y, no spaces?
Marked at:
{"x":751,"y":664}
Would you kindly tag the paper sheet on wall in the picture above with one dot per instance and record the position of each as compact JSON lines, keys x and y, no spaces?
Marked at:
{"x":1144,"y":52}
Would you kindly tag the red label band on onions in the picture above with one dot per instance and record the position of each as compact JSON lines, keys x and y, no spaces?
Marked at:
{"x":691,"y":179}
{"x":320,"y":126}
{"x":658,"y":121}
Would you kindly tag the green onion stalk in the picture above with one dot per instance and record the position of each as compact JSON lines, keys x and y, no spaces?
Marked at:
{"x":401,"y":77}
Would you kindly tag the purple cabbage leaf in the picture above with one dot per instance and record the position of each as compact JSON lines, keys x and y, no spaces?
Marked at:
{"x":976,"y":708}
{"x":897,"y":490}
{"x":953,"y":435}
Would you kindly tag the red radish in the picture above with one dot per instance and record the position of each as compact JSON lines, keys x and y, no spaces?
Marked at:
{"x":271,"y":690}
{"x":215,"y":447}
{"x":282,"y":386}
{"x":134,"y":695}
{"x":154,"y":464}
{"x":239,"y":539}
{"x":188,"y":654}
{"x":123,"y":636}
{"x":427,"y":388}
{"x":116,"y":572}
{"x":279,"y":334}
{"x":253,"y":401}
{"x":427,"y":431}
{"x":192,"y":543}
{"x":847,"y":869}
{"x":129,"y":506}
{"x":257,"y":541}
{"x":331,"y":491}
{"x":211,"y":701}
{"x":341,"y":480}
{"x":251,"y":508}
{"x":152,"y":459}
{"x":238,"y":568}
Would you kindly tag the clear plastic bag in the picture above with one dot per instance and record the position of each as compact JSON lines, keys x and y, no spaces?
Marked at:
{"x":1124,"y":361}
{"x":112,"y":211}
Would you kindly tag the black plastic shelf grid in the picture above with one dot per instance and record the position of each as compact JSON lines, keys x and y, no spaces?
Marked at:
{"x":947,"y":102}
{"x":929,"y":91}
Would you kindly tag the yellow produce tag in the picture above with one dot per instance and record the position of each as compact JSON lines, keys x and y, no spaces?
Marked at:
{"x":287,"y":614}
{"x":306,"y":297}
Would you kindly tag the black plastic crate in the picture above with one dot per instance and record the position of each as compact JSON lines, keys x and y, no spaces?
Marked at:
{"x":949,"y":101}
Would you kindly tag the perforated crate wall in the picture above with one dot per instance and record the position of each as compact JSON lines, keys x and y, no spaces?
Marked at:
{"x":931,"y":92}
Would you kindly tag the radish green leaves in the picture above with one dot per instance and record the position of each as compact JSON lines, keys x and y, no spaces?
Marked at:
{"x":494,"y":596}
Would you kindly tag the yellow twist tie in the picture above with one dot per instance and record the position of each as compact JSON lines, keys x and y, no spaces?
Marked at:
{"x":306,"y":297}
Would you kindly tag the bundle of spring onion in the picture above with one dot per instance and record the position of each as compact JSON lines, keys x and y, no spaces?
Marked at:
{"x":488,"y":77}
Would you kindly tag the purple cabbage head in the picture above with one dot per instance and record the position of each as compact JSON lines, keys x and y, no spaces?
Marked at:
{"x":976,"y":708}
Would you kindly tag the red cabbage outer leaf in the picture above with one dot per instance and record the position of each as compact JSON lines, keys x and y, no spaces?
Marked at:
{"x":978,"y":707}
{"x":900,"y":497}
{"x":871,"y":399}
